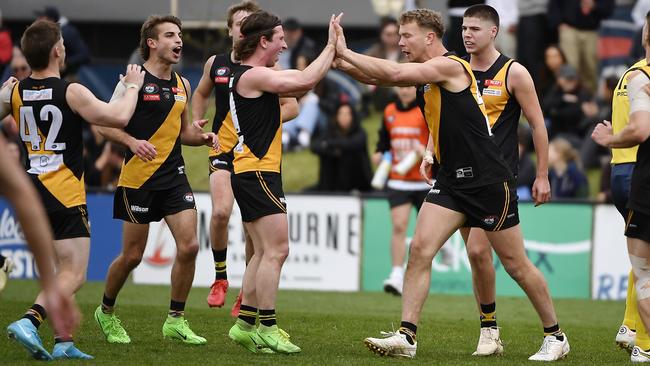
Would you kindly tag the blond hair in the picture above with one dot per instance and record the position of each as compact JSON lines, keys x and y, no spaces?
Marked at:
{"x":424,"y":18}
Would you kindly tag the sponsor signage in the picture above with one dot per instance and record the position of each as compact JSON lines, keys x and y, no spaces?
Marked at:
{"x":557,"y":241}
{"x":610,"y":262}
{"x":324,"y":249}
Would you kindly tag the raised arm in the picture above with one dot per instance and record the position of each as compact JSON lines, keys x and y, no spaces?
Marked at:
{"x":522,"y":87}
{"x":202,"y":92}
{"x":114,"y":114}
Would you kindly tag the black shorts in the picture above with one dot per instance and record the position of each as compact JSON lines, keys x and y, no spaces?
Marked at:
{"x":258,"y":194}
{"x":141,"y":206}
{"x":70,"y":223}
{"x":637,"y":225}
{"x":491,"y":208}
{"x":222,"y":161}
{"x":397,"y":198}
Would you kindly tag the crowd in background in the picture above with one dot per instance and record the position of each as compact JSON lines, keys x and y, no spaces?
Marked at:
{"x":572,"y":48}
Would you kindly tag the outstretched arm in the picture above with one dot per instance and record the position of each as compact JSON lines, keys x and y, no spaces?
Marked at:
{"x":114,"y":114}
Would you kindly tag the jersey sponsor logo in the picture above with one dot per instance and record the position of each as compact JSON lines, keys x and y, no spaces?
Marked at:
{"x":490,"y":220}
{"x":390,"y":119}
{"x":223,"y":71}
{"x":135,"y":208}
{"x":489,"y":83}
{"x":33,"y":95}
{"x":221,"y":80}
{"x":179,"y":98}
{"x":426,"y":88}
{"x":495,"y":92}
{"x":176,"y":90}
{"x":150,"y":88}
{"x":466,"y":172}
{"x":188,"y":197}
{"x":150,"y":97}
{"x":167,"y":95}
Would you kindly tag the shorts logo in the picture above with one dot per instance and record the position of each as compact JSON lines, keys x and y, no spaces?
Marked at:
{"x":434,"y":191}
{"x":188,"y":197}
{"x":510,"y":216}
{"x":282,"y":200}
{"x":181,"y":170}
{"x":631,"y":226}
{"x":150,"y":88}
{"x":150,"y":97}
{"x":490,"y":220}
{"x":216,"y":162}
{"x":466,"y":172}
{"x":135,"y":208}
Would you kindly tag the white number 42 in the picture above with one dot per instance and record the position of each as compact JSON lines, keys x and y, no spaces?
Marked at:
{"x":29,"y":130}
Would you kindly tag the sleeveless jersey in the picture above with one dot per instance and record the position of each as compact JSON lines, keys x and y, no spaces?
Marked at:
{"x":621,"y":115}
{"x":258,"y":123}
{"x":157,"y":119}
{"x":461,"y":135}
{"x":502,"y":109}
{"x":220,"y":72}
{"x":51,"y":133}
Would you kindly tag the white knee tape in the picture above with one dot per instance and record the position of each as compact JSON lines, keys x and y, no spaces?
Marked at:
{"x":641,"y":269}
{"x":639,"y":100}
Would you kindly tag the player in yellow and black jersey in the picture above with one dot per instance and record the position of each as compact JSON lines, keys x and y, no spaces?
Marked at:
{"x":474,"y":184}
{"x":257,"y":184}
{"x":507,"y":89}
{"x":216,"y":76}
{"x":153,"y":184}
{"x":627,"y":136}
{"x":50,"y":113}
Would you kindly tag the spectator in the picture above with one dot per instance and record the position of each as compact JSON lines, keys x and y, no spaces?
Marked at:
{"x":343,"y":152}
{"x":563,"y":106}
{"x":387,"y":48}
{"x":298,"y":45}
{"x":567,"y":180}
{"x":508,"y":12}
{"x":595,"y":111}
{"x":77,"y":53}
{"x":405,"y":134}
{"x":6,"y":46}
{"x":453,"y":33}
{"x":554,"y":58}
{"x":577,"y":22}
{"x":18,"y":68}
{"x":533,"y":35}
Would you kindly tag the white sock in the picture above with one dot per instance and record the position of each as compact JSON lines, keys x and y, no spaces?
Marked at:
{"x":397,"y":271}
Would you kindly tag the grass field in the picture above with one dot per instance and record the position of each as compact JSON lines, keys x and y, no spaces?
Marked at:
{"x":329,"y":327}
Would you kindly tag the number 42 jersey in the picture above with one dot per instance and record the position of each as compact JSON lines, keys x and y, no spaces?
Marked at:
{"x":51,"y":133}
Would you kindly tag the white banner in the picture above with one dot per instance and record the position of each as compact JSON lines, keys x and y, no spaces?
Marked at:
{"x":610,"y":262}
{"x":324,"y":246}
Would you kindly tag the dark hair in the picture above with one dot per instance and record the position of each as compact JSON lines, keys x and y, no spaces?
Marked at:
{"x":356,"y":121}
{"x":255,"y":26}
{"x":37,"y":43}
{"x":385,"y":21}
{"x":247,"y":6}
{"x":484,"y":12}
{"x":424,"y":18}
{"x":646,"y":41}
{"x":148,"y":30}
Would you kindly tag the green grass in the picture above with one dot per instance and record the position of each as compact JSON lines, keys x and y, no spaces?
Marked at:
{"x":329,"y":327}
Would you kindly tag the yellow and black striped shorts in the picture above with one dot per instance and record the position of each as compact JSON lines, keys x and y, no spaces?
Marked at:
{"x":258,"y":194}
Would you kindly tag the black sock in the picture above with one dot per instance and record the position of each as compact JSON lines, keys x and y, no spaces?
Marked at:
{"x":36,"y":314}
{"x":2,"y":260}
{"x":267,"y":317}
{"x":107,"y":304}
{"x":61,"y":339}
{"x":248,"y":314}
{"x":220,"y":264}
{"x":488,"y":315}
{"x":554,"y":331}
{"x":409,"y":330}
{"x":176,"y":308}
